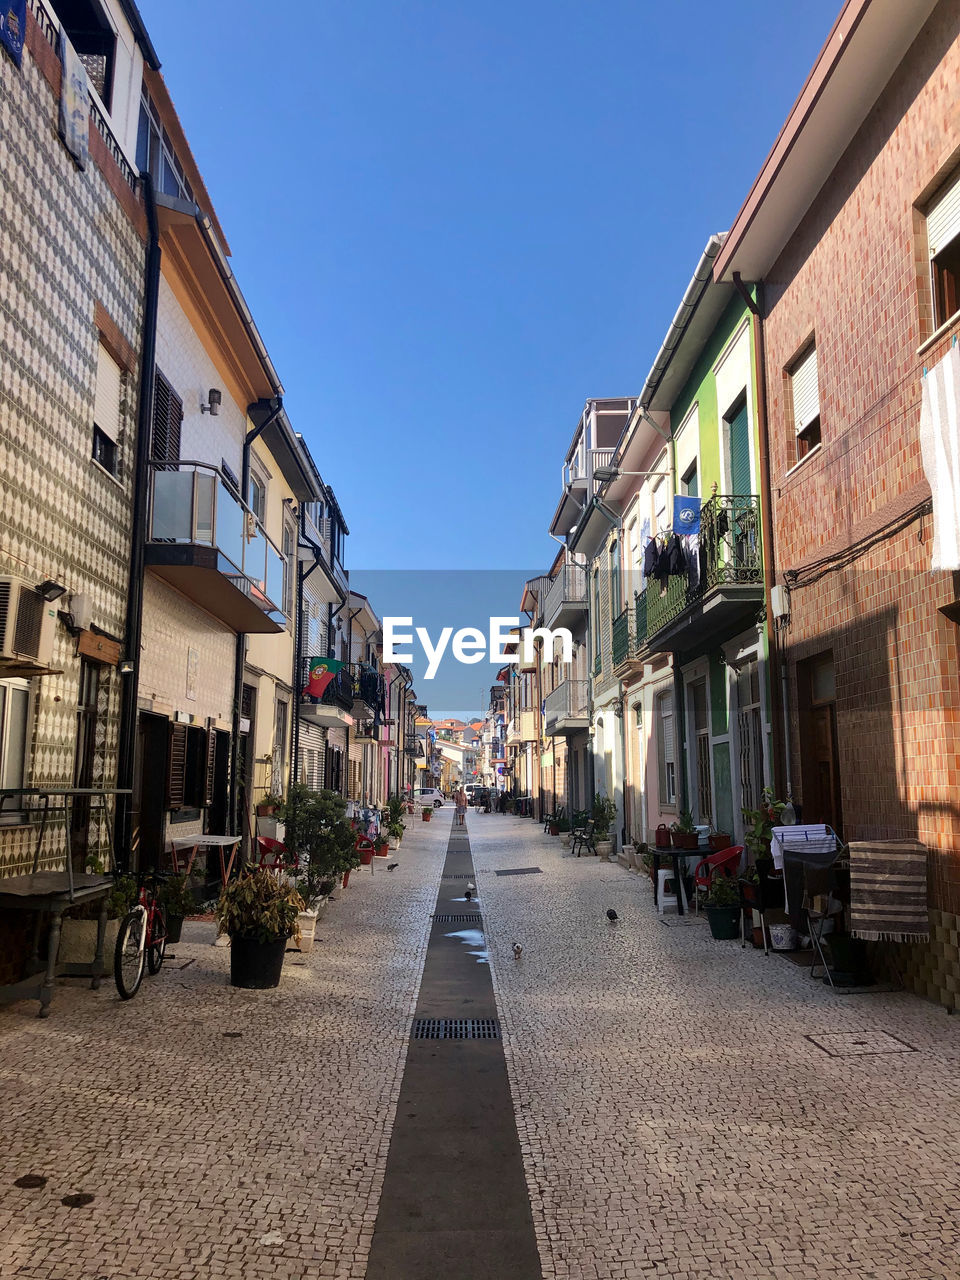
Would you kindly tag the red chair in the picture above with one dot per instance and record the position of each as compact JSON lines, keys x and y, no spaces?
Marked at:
{"x":726,"y":862}
{"x":272,"y":854}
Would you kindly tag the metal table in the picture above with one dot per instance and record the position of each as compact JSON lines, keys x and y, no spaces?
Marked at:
{"x":181,"y":844}
{"x":54,"y":892}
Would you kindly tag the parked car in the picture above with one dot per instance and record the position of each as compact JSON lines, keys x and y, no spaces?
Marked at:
{"x":426,"y":794}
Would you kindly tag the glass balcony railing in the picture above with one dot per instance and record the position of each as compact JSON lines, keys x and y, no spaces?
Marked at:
{"x":194,"y":504}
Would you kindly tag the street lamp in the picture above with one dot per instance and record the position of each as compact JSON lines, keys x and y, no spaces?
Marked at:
{"x":603,"y":474}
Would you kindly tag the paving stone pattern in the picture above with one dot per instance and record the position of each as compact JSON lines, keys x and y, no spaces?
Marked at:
{"x":675,"y":1117}
{"x":214,"y":1156}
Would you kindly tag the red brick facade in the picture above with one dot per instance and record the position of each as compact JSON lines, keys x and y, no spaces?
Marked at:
{"x":855,"y":277}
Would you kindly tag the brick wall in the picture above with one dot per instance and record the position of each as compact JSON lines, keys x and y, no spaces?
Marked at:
{"x":849,"y":277}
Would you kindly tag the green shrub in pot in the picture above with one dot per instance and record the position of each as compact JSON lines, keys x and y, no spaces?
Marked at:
{"x":259,"y":906}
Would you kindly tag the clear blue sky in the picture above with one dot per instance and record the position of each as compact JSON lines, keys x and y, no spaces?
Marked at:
{"x":454,"y":222}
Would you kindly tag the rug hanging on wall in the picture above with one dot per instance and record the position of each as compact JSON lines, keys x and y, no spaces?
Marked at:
{"x":888,"y":891}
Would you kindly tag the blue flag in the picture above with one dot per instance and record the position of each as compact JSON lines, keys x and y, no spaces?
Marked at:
{"x":686,"y":514}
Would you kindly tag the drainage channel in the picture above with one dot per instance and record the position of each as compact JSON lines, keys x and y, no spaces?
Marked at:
{"x":454,"y":1200}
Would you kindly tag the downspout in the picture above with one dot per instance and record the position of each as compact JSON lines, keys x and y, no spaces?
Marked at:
{"x":240,"y":650}
{"x":133,"y":633}
{"x":777,"y":684}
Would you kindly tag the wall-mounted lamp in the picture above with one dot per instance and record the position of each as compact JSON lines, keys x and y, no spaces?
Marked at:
{"x":214,"y":401}
{"x":51,"y":590}
{"x":126,"y":667}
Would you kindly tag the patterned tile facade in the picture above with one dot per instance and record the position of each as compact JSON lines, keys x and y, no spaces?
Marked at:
{"x":69,"y":252}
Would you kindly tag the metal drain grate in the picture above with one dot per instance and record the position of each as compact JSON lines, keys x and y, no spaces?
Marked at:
{"x":855,"y":1044}
{"x":473,"y":918}
{"x":466,"y":875}
{"x":456,"y":1029}
{"x":520,"y":871}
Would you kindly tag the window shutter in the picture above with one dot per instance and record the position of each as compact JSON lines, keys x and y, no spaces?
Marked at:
{"x":666,"y":723}
{"x":167,"y":417}
{"x":211,"y":761}
{"x":106,"y":407}
{"x":177,"y":766}
{"x":740,"y":482}
{"x":806,"y":391}
{"x":943,"y":218}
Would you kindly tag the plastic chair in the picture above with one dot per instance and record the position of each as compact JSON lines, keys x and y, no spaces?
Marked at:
{"x":666,"y":876}
{"x":725,"y":863}
{"x":273,"y":854}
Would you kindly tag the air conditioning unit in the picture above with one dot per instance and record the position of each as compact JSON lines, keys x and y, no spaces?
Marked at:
{"x":27,"y":623}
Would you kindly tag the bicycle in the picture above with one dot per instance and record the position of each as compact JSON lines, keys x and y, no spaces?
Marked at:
{"x":142,"y":940}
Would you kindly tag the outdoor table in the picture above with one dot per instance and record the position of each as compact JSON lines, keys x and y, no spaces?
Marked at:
{"x":675,"y":855}
{"x":53,"y":892}
{"x":180,"y":844}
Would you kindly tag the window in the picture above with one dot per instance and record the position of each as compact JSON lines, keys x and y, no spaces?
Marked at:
{"x":616,"y":593}
{"x":257,"y":497}
{"x":156,"y":155}
{"x":281,"y":717}
{"x":689,"y":484}
{"x":943,"y":240}
{"x":106,"y":411}
{"x":597,"y":658}
{"x":660,"y":507}
{"x":14,"y":718}
{"x":90,"y":33}
{"x":701,"y":731}
{"x":167,"y":419}
{"x":289,"y":569}
{"x":187,"y":766}
{"x":666,"y":748}
{"x":805,"y":391}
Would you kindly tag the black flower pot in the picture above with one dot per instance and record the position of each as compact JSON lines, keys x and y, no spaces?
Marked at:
{"x":174,"y":927}
{"x":724,"y":922}
{"x":256,"y":965}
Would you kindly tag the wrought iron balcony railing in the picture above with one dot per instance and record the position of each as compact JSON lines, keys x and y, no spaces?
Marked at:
{"x":731,"y":554}
{"x":621,"y":637}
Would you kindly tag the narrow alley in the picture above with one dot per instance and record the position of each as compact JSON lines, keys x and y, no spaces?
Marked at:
{"x":682,"y":1107}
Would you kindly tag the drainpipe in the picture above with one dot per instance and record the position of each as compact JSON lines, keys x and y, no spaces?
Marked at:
{"x":777,"y":684}
{"x":275,"y":408}
{"x":126,"y":747}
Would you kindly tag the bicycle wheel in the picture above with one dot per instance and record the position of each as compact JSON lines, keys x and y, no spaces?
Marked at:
{"x":129,"y":954}
{"x":157,"y":941}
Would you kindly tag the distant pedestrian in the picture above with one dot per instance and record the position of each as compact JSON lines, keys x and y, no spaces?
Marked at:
{"x":460,"y":800}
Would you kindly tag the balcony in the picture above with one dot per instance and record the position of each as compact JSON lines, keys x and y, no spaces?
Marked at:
{"x":513,"y":733}
{"x":621,"y":638}
{"x":368,"y":691}
{"x":565,"y":709}
{"x":730,"y":591}
{"x":334,"y":708}
{"x":209,"y":545}
{"x":566,"y":601}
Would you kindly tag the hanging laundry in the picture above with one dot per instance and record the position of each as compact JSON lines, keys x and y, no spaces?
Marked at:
{"x":691,"y":550}
{"x":650,"y":556}
{"x":676,"y":560}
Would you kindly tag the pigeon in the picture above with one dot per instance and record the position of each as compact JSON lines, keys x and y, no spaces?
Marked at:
{"x":517,"y":950}
{"x":471,"y":887}
{"x":392,"y":866}
{"x":467,"y":896}
{"x":612,"y":915}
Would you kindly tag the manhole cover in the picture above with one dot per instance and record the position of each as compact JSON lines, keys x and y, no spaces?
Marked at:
{"x":232,"y":1035}
{"x":473,"y":918}
{"x":31,"y":1181}
{"x":855,"y":1044}
{"x":456,"y":1029}
{"x":520,"y":871}
{"x":78,"y":1201}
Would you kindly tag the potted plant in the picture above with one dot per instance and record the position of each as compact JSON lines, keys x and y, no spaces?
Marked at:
{"x":719,"y":840}
{"x":268,"y":805}
{"x":723,"y":907}
{"x":380,"y":846}
{"x":259,"y":912}
{"x":395,"y":831}
{"x":321,"y":845}
{"x":683,"y":833}
{"x":178,"y":902}
{"x":604,"y":813}
{"x":758,"y":827}
{"x":563,"y":831}
{"x":426,"y":812}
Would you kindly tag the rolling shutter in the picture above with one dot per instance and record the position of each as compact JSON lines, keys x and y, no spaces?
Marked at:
{"x":806,"y":391}
{"x":106,"y":407}
{"x":210,"y":770}
{"x":943,"y":218}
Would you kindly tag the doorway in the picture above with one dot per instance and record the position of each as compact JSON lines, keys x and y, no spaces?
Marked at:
{"x":819,"y":752}
{"x":88,"y":695}
{"x":148,"y":827}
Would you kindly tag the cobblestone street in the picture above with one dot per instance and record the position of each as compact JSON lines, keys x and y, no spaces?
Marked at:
{"x":675,"y":1116}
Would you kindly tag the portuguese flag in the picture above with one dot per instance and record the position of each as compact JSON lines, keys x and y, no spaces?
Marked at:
{"x":322,"y":671}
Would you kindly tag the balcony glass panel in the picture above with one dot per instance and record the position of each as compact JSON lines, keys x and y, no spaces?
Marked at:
{"x":255,"y":556}
{"x":274,"y":575}
{"x":205,"y":488}
{"x":230,"y":519}
{"x":172,"y":506}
